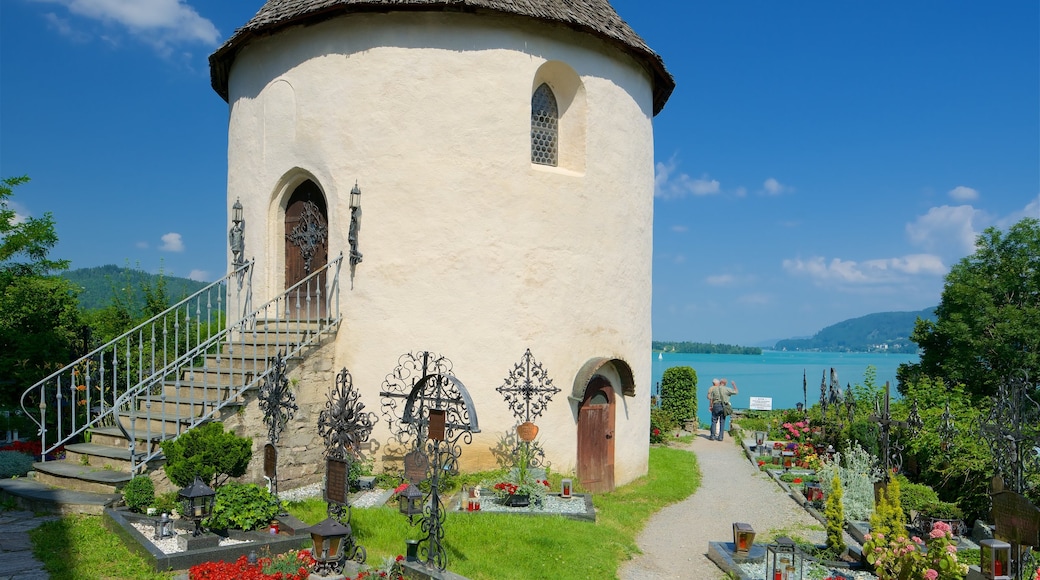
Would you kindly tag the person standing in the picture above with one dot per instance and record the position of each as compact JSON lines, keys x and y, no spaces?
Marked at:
{"x":718,"y":399}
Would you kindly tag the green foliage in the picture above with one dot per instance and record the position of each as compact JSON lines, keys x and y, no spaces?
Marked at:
{"x":702,"y":348}
{"x":888,"y":517}
{"x":857,"y":472}
{"x":662,"y":424}
{"x":867,"y":435}
{"x":128,"y":286}
{"x":14,"y":464}
{"x":943,"y":510}
{"x":679,"y":392}
{"x":987,"y":326}
{"x":958,"y":468}
{"x":863,"y":334}
{"x":835,"y":515}
{"x":81,"y":547}
{"x":139,"y":493}
{"x":242,"y":506}
{"x":25,"y":241}
{"x":901,"y":558}
{"x":208,"y":452}
{"x":167,"y":502}
{"x":914,"y":496}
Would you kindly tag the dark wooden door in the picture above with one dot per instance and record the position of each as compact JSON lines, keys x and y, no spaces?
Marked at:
{"x":596,"y":437}
{"x":306,"y":251}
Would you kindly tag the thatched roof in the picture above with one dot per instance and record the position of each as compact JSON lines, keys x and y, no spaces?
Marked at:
{"x":595,"y":17}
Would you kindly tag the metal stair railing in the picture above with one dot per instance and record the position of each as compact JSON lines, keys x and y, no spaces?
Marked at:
{"x":124,"y":383}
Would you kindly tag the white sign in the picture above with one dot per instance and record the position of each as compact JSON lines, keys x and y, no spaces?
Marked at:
{"x":761,"y":403}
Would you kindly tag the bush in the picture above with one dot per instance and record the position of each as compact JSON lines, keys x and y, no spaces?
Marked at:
{"x":14,"y":464}
{"x":915,"y":495}
{"x":139,"y":493}
{"x":942,"y":510}
{"x":242,"y":506}
{"x":661,"y":424}
{"x":679,"y":393}
{"x":167,"y":503}
{"x":835,"y":514}
{"x":208,"y":452}
{"x":858,"y":473}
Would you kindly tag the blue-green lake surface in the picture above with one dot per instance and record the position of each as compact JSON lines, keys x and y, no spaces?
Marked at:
{"x":778,"y":374}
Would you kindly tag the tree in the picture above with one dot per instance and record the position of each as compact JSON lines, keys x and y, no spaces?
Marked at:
{"x":209,"y":452}
{"x":679,"y":393}
{"x":987,"y":325}
{"x":40,"y":321}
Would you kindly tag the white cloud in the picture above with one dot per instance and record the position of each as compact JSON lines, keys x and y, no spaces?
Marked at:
{"x":64,"y":27}
{"x":668,"y":184}
{"x":160,"y":23}
{"x":720,"y":280}
{"x":869,"y":272}
{"x":1031,"y":210}
{"x":20,"y":213}
{"x":946,"y":228}
{"x":962,"y":193}
{"x":198,"y":275}
{"x":773,"y":187}
{"x":680,"y":229}
{"x":172,"y":242}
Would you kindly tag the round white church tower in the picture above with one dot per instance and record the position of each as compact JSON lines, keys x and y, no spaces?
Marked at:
{"x":504,"y":155}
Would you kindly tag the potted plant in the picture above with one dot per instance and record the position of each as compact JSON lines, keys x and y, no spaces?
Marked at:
{"x":941,"y":511}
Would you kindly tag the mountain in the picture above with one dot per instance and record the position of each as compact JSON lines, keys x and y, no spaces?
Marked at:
{"x":99,"y":283}
{"x":880,"y":332}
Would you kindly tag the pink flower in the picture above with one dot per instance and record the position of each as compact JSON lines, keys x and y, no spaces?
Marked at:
{"x":930,"y":574}
{"x":942,"y":526}
{"x":951,"y":549}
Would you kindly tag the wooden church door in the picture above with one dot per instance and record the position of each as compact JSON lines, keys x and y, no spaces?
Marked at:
{"x":306,"y":250}
{"x":596,"y":437}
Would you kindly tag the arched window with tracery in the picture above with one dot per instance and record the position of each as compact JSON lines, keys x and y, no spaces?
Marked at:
{"x":545,"y":131}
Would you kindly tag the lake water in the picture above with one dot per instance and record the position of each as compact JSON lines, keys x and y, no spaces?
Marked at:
{"x":778,"y":374}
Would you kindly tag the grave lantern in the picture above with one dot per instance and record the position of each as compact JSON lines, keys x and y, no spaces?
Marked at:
{"x":565,"y":488}
{"x":197,"y":503}
{"x":783,"y":561}
{"x":410,"y":501}
{"x":760,"y":440}
{"x":163,"y":526}
{"x":743,"y":538}
{"x":788,"y":459}
{"x":327,"y":537}
{"x":994,"y":559}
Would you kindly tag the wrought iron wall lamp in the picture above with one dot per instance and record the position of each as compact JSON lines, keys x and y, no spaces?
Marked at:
{"x":355,"y":229}
{"x":237,"y":240}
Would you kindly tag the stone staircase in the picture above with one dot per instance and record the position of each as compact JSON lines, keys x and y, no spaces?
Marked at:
{"x":92,"y":473}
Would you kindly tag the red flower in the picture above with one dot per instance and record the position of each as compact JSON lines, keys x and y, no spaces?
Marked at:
{"x":657,"y":431}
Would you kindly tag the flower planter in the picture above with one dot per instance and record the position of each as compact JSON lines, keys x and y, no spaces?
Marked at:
{"x":517,"y":500}
{"x":924,"y":523}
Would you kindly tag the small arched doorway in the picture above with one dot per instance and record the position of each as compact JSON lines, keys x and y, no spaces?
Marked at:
{"x":306,"y":250}
{"x":596,"y":436}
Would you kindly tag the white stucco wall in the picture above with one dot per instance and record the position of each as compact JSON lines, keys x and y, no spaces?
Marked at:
{"x":469,"y":250}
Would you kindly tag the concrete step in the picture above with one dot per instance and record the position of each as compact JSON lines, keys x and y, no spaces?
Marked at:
{"x":261,"y":351}
{"x":75,"y":477}
{"x":33,"y":495}
{"x":222,"y":377}
{"x":113,"y":437}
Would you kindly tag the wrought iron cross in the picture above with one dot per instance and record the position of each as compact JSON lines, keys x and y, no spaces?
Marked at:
{"x":309,"y":233}
{"x":528,"y":388}
{"x":276,"y":399}
{"x":891,"y":448}
{"x":1012,"y":432}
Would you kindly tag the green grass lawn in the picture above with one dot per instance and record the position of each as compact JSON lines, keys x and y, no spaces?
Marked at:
{"x":479,"y":545}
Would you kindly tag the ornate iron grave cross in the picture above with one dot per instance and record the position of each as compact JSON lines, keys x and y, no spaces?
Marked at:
{"x":891,"y":446}
{"x":411,"y":368}
{"x":528,"y":390}
{"x":278,"y":404}
{"x":438,"y":416}
{"x":310,"y":233}
{"x":344,"y":425}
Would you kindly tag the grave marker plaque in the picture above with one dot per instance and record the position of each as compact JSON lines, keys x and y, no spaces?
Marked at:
{"x":415,"y":466}
{"x":336,"y":481}
{"x":436,"y":427}
{"x":1017,"y":520}
{"x":270,"y":461}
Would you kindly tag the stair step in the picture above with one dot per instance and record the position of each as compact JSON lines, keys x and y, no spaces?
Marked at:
{"x":96,"y":450}
{"x":36,"y":496}
{"x":77,"y":477}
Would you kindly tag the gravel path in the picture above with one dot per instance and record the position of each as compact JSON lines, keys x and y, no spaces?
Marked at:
{"x":675,"y":540}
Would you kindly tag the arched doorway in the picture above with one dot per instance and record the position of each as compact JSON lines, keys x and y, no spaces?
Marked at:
{"x":596,"y":436}
{"x":306,"y":250}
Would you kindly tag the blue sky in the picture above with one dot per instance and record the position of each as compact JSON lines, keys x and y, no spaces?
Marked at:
{"x":817,"y":161}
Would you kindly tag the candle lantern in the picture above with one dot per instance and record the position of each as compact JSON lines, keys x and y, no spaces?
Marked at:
{"x":410,"y":501}
{"x":743,"y":538}
{"x":760,"y":440}
{"x":328,"y":537}
{"x":197,"y":503}
{"x":163,"y":526}
{"x":994,"y":559}
{"x":783,"y":560}
{"x":788,"y":459}
{"x":565,"y":488}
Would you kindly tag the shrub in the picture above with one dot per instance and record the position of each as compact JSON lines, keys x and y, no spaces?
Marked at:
{"x":208,"y":452}
{"x":857,"y":473}
{"x":679,"y":393}
{"x":167,"y":503}
{"x":942,"y":510}
{"x":915,"y":496}
{"x":14,"y":464}
{"x":139,"y":493}
{"x":835,"y":514}
{"x":242,"y":506}
{"x":888,"y":518}
{"x":661,"y":424}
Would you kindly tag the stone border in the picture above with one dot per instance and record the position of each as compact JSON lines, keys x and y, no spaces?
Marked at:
{"x":119,"y":522}
{"x":455,"y":505}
